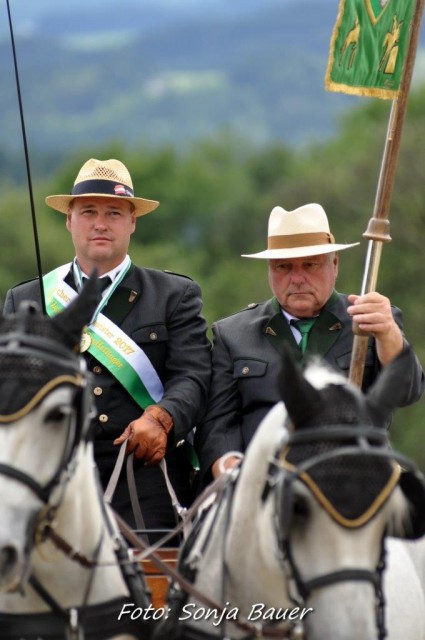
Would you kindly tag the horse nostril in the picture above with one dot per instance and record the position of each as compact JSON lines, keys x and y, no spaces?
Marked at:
{"x":8,"y":559}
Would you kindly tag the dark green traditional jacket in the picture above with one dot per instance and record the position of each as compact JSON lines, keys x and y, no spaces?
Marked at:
{"x":161,"y":312}
{"x":247,"y":360}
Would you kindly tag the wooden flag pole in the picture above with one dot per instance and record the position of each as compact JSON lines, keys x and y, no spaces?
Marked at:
{"x":377,"y":231}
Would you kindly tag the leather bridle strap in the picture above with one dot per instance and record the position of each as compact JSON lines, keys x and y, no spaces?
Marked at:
{"x":47,"y":597}
{"x":71,"y":553}
{"x":40,"y":491}
{"x":344,"y":575}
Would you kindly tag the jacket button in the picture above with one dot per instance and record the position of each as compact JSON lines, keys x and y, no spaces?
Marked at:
{"x":97,"y":370}
{"x":103,"y":418}
{"x":153,"y":336}
{"x":98,"y":391}
{"x":245,"y":370}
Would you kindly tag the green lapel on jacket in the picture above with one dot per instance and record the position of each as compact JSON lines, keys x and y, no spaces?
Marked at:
{"x":325,"y":330}
{"x":278,"y":331}
{"x":322,"y":336}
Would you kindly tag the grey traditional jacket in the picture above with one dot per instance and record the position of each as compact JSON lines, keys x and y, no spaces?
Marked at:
{"x":247,"y":360}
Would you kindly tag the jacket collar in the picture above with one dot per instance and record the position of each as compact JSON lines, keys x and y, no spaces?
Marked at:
{"x":123,"y":298}
{"x":323,"y":335}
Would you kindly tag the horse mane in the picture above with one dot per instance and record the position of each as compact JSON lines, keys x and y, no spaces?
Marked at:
{"x":320,"y":374}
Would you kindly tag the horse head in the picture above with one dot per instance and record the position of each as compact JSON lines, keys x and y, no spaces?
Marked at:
{"x":334,"y":491}
{"x":327,"y":414}
{"x":45,"y":408}
{"x":319,"y":491}
{"x":294,"y":545}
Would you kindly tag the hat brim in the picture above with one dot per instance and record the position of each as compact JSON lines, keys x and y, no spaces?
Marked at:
{"x":61,"y":202}
{"x":299,"y":252}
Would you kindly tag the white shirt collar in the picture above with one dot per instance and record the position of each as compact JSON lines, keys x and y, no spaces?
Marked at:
{"x":112,"y":273}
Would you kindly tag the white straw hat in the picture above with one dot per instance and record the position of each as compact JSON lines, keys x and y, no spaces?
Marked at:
{"x":103,"y":179}
{"x":298,"y":234}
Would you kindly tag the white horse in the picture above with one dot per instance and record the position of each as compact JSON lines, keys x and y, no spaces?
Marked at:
{"x":64,"y":569}
{"x":298,"y":546}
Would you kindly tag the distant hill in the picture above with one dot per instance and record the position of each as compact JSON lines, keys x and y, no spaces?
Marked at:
{"x":168,"y":72}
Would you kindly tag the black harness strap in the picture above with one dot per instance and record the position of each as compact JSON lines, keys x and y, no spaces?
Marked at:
{"x":99,"y":621}
{"x":24,"y":478}
{"x":340,"y":576}
{"x":47,"y":597}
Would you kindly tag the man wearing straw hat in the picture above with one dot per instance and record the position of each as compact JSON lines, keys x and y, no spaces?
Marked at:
{"x":306,"y":312}
{"x":146,"y":345}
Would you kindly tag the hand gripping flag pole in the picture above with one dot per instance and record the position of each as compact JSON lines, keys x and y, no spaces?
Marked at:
{"x":372,"y":53}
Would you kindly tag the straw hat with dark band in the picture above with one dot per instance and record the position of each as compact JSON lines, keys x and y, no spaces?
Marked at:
{"x":298,"y":234}
{"x":103,"y":179}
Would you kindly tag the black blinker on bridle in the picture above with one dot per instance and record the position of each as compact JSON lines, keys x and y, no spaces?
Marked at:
{"x":22,"y":347}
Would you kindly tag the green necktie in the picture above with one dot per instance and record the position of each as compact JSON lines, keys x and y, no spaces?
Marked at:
{"x":303,"y":326}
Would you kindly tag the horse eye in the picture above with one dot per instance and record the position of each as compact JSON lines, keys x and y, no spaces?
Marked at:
{"x":56,"y":414}
{"x":300,"y":507}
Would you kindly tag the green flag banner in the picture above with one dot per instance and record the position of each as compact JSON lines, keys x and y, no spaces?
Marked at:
{"x":368,"y":47}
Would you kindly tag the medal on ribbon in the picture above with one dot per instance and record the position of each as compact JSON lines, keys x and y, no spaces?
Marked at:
{"x":85,"y":341}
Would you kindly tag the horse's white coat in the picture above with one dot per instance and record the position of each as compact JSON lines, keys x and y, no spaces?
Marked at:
{"x":405,"y":589}
{"x":343,"y":611}
{"x":35,"y":444}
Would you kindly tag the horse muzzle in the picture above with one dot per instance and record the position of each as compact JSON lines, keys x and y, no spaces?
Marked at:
{"x":15,"y":549}
{"x":12,"y":568}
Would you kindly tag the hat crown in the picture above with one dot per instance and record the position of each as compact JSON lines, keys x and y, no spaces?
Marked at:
{"x":310,"y":218}
{"x":299,"y":233}
{"x":112,"y":170}
{"x":103,"y":179}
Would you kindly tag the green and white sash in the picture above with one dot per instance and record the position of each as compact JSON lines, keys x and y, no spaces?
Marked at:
{"x":113,"y":348}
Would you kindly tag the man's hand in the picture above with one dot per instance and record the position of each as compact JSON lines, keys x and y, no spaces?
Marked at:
{"x":372,"y":313}
{"x":226,"y":463}
{"x":147,"y":436}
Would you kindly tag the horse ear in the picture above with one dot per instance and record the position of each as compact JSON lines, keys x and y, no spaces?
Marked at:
{"x":301,"y":399}
{"x":389,"y":388}
{"x":71,"y":321}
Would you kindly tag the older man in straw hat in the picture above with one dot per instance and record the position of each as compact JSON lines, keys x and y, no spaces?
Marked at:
{"x":306,"y":312}
{"x":146,"y":346}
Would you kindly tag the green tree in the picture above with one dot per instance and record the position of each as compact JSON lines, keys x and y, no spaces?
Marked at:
{"x":215,"y":201}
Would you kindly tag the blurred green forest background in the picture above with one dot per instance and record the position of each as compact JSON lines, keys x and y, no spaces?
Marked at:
{"x":219,"y":111}
{"x":215,"y":199}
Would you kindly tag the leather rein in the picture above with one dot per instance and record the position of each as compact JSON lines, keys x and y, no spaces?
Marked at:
{"x":254,"y":630}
